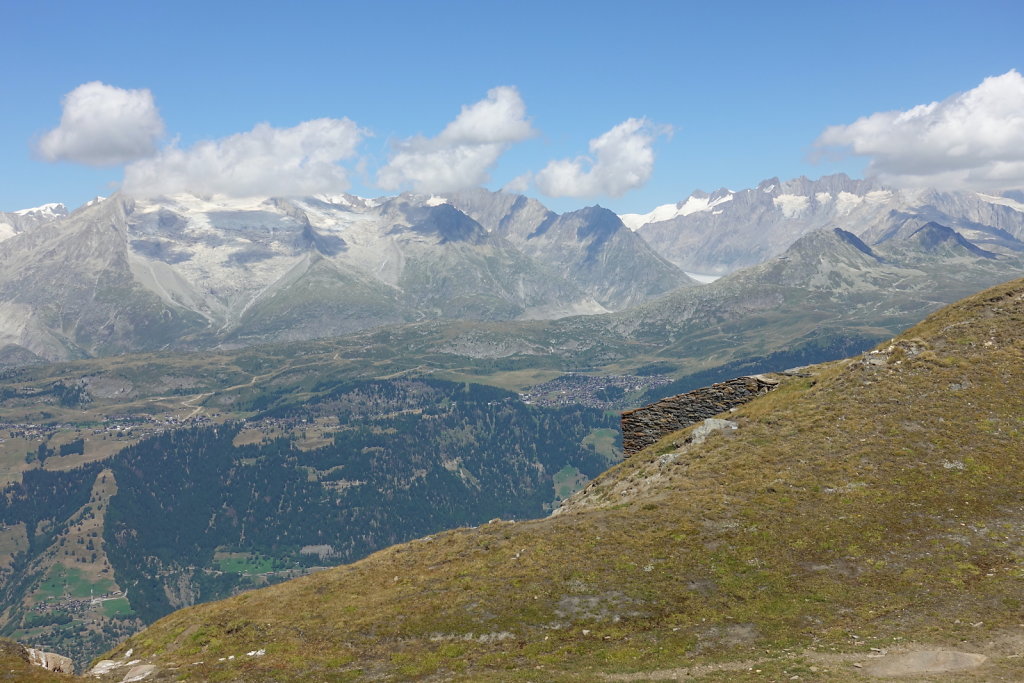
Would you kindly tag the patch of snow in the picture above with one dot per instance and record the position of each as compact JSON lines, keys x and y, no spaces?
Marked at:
{"x":335,"y":199}
{"x":6,"y":231}
{"x":702,"y":277}
{"x":634,"y":221}
{"x":434,"y":200}
{"x":256,"y":653}
{"x":94,"y":201}
{"x":693,"y":204}
{"x":192,"y":203}
{"x":44,"y":210}
{"x":768,"y":190}
{"x":350,"y":201}
{"x":792,"y":205}
{"x":371,"y":244}
{"x":917,"y":195}
{"x":666,"y":212}
{"x":1002,"y":201}
{"x":847,"y":202}
{"x":878,"y":196}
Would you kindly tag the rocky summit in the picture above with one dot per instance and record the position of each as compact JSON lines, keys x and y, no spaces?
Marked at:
{"x":863,"y":520}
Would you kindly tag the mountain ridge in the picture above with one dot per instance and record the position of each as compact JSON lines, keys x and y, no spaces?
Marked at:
{"x":728,"y":229}
{"x":205,"y":272}
{"x":209,"y":271}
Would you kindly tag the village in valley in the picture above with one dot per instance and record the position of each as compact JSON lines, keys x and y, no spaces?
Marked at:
{"x":607,"y":392}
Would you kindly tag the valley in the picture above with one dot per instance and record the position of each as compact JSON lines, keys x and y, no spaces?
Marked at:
{"x":187,"y":476}
{"x":291,"y":487}
{"x":511,"y":342}
{"x":861,"y":521}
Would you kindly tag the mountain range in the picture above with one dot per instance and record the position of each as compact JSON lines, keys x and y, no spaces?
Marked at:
{"x":333,"y":328}
{"x":184,"y":272}
{"x":726,"y":230}
{"x":188,"y":272}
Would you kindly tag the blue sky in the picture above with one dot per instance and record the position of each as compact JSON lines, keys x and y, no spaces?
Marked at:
{"x":718,"y":95}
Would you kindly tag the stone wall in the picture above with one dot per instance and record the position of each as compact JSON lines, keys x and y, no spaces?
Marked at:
{"x":643,"y":426}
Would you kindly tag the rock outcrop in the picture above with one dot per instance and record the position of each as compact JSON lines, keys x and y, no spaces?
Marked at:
{"x":51,"y":661}
{"x":643,"y":426}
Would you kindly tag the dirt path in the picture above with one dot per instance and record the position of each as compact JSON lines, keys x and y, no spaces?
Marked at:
{"x":191,"y":402}
{"x":1000,"y":659}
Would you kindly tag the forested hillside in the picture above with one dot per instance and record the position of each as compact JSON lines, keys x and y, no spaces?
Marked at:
{"x":203,"y":512}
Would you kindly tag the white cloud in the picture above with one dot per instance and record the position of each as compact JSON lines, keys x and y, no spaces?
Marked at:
{"x":465,"y":151}
{"x":520,"y":183}
{"x":301,"y":160}
{"x":620,"y":160}
{"x":972,"y":140}
{"x":102,"y":126}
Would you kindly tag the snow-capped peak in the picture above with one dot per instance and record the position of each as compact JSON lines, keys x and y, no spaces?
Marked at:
{"x":666,"y":212}
{"x":348,"y":200}
{"x":791,"y":205}
{"x":54,"y":209}
{"x":191,"y":202}
{"x":1002,"y":201}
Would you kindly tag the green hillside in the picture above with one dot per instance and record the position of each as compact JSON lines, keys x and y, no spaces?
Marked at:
{"x":92,"y":553}
{"x":868,"y":511}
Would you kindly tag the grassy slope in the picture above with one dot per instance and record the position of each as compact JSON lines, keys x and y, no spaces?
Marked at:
{"x":869,"y":505}
{"x":14,"y":667}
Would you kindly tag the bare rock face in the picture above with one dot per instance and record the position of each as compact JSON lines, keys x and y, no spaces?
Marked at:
{"x":51,"y":661}
{"x":708,"y":427}
{"x":643,"y":426}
